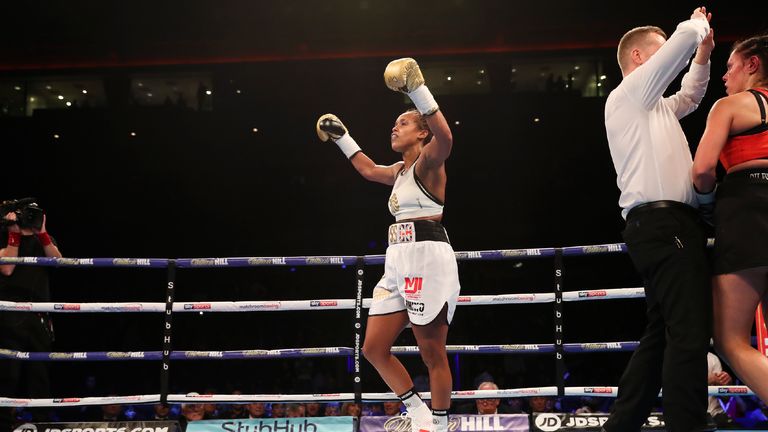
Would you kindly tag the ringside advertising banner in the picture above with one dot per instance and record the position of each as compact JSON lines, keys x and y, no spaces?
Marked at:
{"x":299,"y":424}
{"x":134,"y":426}
{"x":551,"y":422}
{"x":456,"y":423}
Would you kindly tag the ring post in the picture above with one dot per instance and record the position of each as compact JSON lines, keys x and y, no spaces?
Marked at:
{"x":165,"y":372}
{"x":359,"y":274}
{"x":558,"y":307}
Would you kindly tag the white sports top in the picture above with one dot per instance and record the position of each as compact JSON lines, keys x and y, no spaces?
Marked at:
{"x":410,"y":199}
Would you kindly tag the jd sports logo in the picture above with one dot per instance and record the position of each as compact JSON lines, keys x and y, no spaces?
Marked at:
{"x":413,"y":285}
{"x":548,"y":422}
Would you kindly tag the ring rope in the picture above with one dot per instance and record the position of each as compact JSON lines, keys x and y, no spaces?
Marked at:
{"x":493,"y":254}
{"x":307,"y":305}
{"x":340,"y":397}
{"x":314,"y":305}
{"x":309,"y":352}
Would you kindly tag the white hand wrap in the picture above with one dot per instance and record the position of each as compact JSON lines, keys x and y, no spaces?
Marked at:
{"x":347,"y":145}
{"x":424,"y":101}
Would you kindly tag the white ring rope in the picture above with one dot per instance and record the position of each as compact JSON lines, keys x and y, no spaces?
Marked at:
{"x":340,"y":397}
{"x":308,"y":305}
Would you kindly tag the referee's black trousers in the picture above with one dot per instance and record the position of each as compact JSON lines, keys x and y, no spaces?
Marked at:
{"x":667,"y":246}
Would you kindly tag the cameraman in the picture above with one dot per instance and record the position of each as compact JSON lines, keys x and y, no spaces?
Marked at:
{"x":24,"y":331}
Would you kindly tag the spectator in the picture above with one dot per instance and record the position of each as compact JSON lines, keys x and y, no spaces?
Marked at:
{"x":332,"y":409}
{"x":351,"y":409}
{"x":211,"y":409}
{"x":716,"y":376}
{"x":540,"y":404}
{"x":372,"y":409}
{"x":294,"y":410}
{"x":191,"y":412}
{"x":515,"y":406}
{"x":112,"y":413}
{"x":24,"y":331}
{"x":588,"y":406}
{"x":277,"y":410}
{"x":162,"y":411}
{"x":313,"y":409}
{"x":489,"y":406}
{"x":235,"y":411}
{"x":256,"y":410}
{"x":392,"y":408}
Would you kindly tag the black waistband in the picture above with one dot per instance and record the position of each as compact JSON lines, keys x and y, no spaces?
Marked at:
{"x":663,"y":204}
{"x":425,"y":230}
{"x":751,"y":174}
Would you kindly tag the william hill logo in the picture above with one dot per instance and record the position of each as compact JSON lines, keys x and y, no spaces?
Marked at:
{"x":125,"y":355}
{"x":204,"y":354}
{"x":519,"y":347}
{"x":131,"y":261}
{"x":67,"y":355}
{"x":266,"y":261}
{"x":319,"y":350}
{"x":601,"y":346}
{"x":520,"y":252}
{"x":75,"y":261}
{"x":325,"y":260}
{"x":601,"y":248}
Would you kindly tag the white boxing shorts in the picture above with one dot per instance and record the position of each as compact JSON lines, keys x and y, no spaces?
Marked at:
{"x":420,"y":273}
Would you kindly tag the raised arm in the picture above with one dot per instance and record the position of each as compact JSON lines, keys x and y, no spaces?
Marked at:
{"x":437,"y":150}
{"x":404,"y":75}
{"x":329,"y":127}
{"x":648,"y":82}
{"x":694,"y":84}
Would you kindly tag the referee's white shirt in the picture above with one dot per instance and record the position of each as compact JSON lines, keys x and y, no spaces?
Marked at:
{"x":648,"y":146}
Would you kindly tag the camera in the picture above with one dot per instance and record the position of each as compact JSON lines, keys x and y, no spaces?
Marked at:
{"x":28,"y":214}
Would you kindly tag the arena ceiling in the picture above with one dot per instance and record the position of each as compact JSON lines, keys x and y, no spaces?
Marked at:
{"x":91,"y":34}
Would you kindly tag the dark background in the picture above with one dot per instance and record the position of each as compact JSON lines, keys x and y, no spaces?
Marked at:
{"x":201,"y":183}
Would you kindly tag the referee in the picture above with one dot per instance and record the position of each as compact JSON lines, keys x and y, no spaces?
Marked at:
{"x":664,"y":234}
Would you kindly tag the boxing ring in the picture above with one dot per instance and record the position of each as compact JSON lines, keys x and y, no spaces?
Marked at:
{"x":558,"y":349}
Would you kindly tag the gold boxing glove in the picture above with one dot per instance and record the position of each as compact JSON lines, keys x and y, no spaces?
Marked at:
{"x":404,"y":75}
{"x":330,"y":127}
